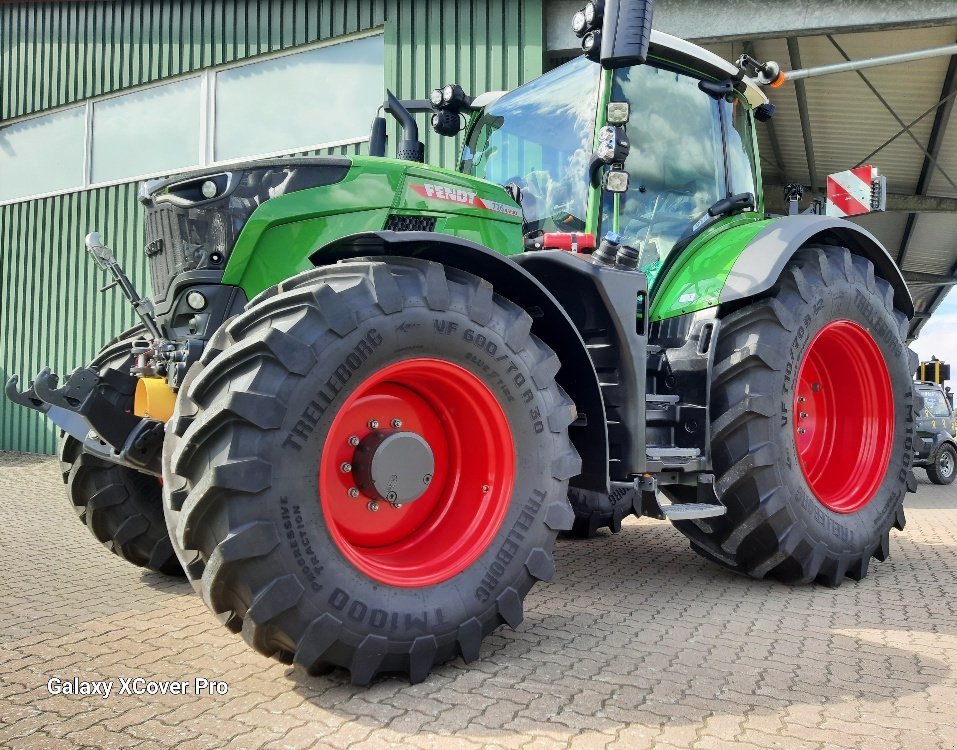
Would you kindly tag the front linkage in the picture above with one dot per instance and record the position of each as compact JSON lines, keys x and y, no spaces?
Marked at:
{"x":86,"y":405}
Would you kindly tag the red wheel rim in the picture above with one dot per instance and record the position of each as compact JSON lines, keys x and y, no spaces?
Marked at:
{"x":843,"y":416}
{"x":445,"y":529}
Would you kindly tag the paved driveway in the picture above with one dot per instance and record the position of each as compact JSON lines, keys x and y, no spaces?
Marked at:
{"x":636,"y":643}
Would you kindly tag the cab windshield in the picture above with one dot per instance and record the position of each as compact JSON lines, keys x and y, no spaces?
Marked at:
{"x":540,"y":138}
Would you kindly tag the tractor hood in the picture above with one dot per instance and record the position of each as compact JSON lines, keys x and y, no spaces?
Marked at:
{"x":374,"y":194}
{"x":257,"y":223}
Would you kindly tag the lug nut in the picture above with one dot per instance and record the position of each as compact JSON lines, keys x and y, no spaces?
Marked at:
{"x":353,"y":441}
{"x":392,"y":497}
{"x":373,"y":424}
{"x":485,"y":488}
{"x":373,"y":506}
{"x":353,"y":492}
{"x":426,"y":479}
{"x":346,"y":467}
{"x":816,"y":387}
{"x":801,"y":430}
{"x":803,"y":415}
{"x":396,"y":505}
{"x":801,"y":399}
{"x":396,"y":424}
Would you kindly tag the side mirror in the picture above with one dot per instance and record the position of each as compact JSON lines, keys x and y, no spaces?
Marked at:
{"x":626,"y":33}
{"x":615,"y":33}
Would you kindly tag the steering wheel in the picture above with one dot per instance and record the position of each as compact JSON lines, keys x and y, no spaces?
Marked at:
{"x":656,"y":216}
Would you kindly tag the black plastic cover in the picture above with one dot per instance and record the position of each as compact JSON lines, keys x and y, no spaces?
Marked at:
{"x":626,"y":33}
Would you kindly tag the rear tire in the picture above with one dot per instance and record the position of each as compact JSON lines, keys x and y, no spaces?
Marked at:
{"x":595,"y":511}
{"x":805,"y":501}
{"x":276,"y":402}
{"x":121,"y":507}
{"x":944,"y":468}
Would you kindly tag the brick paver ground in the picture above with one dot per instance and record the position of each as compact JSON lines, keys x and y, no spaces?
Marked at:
{"x":636,"y":643}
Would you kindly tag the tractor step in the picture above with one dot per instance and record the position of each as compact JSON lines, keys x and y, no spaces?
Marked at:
{"x":688,"y":511}
{"x":669,"y":453}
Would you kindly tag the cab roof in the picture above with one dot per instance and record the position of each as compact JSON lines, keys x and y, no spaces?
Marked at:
{"x":672,"y":49}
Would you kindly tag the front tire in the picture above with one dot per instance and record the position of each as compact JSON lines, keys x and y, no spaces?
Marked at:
{"x":289,"y":535}
{"x":944,"y":468}
{"x":121,"y":507}
{"x":812,"y":410}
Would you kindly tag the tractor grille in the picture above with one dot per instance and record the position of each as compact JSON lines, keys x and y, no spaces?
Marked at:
{"x":183,"y":239}
{"x":164,"y":251}
{"x":398,"y":223}
{"x":185,"y":232}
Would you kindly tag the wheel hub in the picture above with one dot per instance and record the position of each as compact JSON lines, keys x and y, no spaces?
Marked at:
{"x":417,"y":471}
{"x":394,"y":466}
{"x":946,"y":464}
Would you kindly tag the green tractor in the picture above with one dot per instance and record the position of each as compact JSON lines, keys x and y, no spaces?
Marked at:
{"x":375,"y":391}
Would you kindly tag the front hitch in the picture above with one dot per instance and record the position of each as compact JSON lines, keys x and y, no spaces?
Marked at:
{"x":81,"y":409}
{"x":82,"y":406}
{"x":71,"y":423}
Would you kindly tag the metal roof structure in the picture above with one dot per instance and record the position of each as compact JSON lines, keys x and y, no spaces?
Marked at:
{"x":897,"y":117}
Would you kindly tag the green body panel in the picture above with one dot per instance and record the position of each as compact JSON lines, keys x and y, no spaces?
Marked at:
{"x":283,"y":232}
{"x":696,"y":279}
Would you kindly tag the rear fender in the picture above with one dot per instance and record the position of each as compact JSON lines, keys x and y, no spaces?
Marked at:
{"x":762,"y":260}
{"x":550,"y":322}
{"x":743,"y":259}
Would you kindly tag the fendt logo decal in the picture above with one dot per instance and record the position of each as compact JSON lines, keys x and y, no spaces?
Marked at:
{"x":463,"y":197}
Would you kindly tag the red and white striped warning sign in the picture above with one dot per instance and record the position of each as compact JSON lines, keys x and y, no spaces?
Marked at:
{"x":851,"y":193}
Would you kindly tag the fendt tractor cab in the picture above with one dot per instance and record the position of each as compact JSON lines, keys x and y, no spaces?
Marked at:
{"x":376,"y":391}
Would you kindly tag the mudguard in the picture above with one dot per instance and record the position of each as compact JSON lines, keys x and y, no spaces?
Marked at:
{"x":550,"y":322}
{"x":743,"y":256}
{"x":760,"y":263}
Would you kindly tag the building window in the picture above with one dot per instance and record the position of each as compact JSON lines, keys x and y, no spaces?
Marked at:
{"x":322,"y":96}
{"x":147,"y":131}
{"x":299,"y":100}
{"x":43,"y":154}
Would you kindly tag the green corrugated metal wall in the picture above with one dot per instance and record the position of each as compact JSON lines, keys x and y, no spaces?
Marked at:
{"x":55,"y":53}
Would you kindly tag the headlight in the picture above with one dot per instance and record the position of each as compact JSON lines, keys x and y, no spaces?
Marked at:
{"x":616,"y":181}
{"x":579,"y":24}
{"x":209,"y":189}
{"x":196,"y":300}
{"x":613,"y":145}
{"x":590,"y":12}
{"x":436,"y":97}
{"x":447,"y":94}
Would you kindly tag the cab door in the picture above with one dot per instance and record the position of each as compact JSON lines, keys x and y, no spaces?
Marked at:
{"x":688,"y":151}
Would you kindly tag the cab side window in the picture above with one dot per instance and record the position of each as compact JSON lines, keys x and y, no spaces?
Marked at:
{"x":741,"y":149}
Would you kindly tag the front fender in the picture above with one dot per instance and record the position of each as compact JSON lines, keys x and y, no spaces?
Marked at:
{"x":550,"y":322}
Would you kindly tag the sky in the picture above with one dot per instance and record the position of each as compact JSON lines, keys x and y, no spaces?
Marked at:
{"x":939,"y":334}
